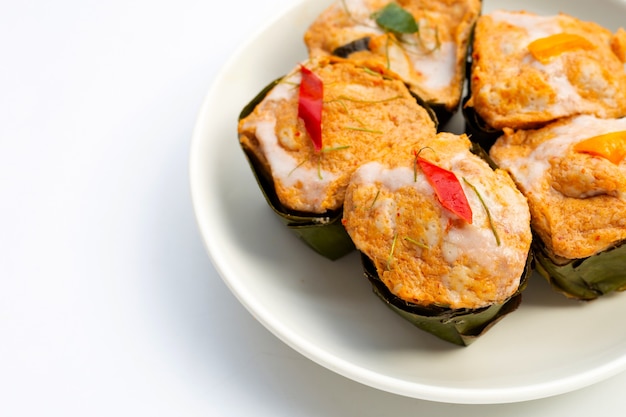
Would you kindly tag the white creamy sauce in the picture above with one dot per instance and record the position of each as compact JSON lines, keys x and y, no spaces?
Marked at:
{"x":536,"y":26}
{"x":361,"y":13}
{"x":286,"y":169}
{"x":477,"y":240}
{"x":477,"y":243}
{"x":438,"y":67}
{"x":311,"y":181}
{"x":390,"y":179}
{"x":568,"y":100}
{"x":385,"y":220}
{"x":367,"y":28}
{"x":285,"y":89}
{"x":531,"y":171}
{"x":356,"y":8}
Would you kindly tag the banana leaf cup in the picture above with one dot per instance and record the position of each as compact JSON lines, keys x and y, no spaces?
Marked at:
{"x":322,"y":233}
{"x":445,"y":239}
{"x":572,"y":175}
{"x":458,"y":326}
{"x":583,"y":279}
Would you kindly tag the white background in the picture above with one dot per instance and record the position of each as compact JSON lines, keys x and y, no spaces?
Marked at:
{"x":109,"y":304}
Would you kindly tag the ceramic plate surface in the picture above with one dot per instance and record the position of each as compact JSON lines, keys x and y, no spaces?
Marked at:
{"x":326,"y":310}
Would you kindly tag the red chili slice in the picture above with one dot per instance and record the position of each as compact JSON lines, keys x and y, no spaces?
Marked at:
{"x":447,"y":188}
{"x":310,"y":101}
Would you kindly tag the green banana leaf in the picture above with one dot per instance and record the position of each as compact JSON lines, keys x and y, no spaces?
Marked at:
{"x":458,"y":326}
{"x":586,"y":278}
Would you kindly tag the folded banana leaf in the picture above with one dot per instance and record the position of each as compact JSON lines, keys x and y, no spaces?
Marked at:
{"x":586,"y":278}
{"x":459,"y":326}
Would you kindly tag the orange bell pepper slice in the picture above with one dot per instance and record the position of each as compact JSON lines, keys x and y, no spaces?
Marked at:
{"x":611,"y":146}
{"x":544,"y":49}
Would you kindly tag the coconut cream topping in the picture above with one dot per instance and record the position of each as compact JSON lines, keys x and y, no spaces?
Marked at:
{"x":359,"y":9}
{"x":536,"y":26}
{"x":437,"y":68}
{"x":312,"y":183}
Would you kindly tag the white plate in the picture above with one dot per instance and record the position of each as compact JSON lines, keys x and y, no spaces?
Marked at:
{"x":327,"y":311}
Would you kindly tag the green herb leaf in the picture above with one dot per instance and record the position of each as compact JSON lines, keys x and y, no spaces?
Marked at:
{"x":482,"y":202}
{"x":393,"y":18}
{"x":363,"y":129}
{"x":375,"y":199}
{"x":336,"y":148}
{"x":416,"y":242}
{"x":391,"y":251}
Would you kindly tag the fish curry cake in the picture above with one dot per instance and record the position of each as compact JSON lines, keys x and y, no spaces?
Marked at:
{"x":528,"y":70}
{"x":431,"y":60}
{"x":575,"y":189}
{"x":426,"y":254}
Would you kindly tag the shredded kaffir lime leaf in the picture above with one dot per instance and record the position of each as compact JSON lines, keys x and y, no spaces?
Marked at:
{"x":335,"y":148}
{"x":297,"y":166}
{"x":375,"y":199}
{"x":489,"y":218}
{"x":393,"y":248}
{"x":364,"y":129}
{"x":393,"y":18}
{"x":416,"y":242}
